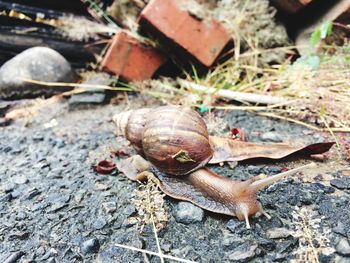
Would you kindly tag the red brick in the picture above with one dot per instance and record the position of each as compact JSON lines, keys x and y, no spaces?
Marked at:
{"x":201,"y":39}
{"x":291,"y":6}
{"x":131,"y":60}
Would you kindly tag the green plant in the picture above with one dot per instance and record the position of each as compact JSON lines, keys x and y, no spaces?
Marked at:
{"x":321,"y":33}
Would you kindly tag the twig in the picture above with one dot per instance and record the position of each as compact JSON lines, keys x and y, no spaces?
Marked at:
{"x":79,"y":85}
{"x":267,"y":114}
{"x":154,"y":227}
{"x":234,"y":95}
{"x":154,"y":253}
{"x":310,"y":126}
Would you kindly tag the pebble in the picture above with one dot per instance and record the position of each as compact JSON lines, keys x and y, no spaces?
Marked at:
{"x":271,"y":137}
{"x":326,"y":258}
{"x":21,"y":215}
{"x":129,"y":210}
{"x":340,"y":228}
{"x":14,"y":257}
{"x":79,"y":101}
{"x":56,"y":207}
{"x":286,"y":246}
{"x":243,"y":252}
{"x":109,"y":207}
{"x":343,"y":247}
{"x":79,"y":196}
{"x":90,"y":246}
{"x":235,"y":226}
{"x":274,"y":169}
{"x":188,"y":213}
{"x":278,"y":257}
{"x":20,"y":179}
{"x":323,"y":188}
{"x":32,"y":193}
{"x":253,"y":169}
{"x":51,"y":260}
{"x":6,"y":198}
{"x":230,"y":242}
{"x":266,"y":244}
{"x":55,"y":173}
{"x":99,"y":223}
{"x":341,"y":184}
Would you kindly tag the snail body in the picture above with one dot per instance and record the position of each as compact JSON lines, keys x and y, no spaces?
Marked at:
{"x":175,"y":141}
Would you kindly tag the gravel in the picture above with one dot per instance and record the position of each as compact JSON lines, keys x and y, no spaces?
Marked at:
{"x":56,"y":208}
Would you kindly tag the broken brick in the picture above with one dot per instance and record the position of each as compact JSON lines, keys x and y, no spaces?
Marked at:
{"x":200,"y":39}
{"x":291,"y":6}
{"x":130,"y":59}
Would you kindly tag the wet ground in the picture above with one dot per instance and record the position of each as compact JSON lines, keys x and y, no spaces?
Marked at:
{"x":55,"y":208}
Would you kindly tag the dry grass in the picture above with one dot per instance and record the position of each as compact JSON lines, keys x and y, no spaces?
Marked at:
{"x":313,"y":240}
{"x":319,"y":98}
{"x":149,"y":203}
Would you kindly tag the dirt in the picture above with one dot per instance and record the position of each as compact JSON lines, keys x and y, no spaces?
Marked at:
{"x":56,"y":208}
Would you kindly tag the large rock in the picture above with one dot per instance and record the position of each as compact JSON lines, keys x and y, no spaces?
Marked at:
{"x":37,"y":63}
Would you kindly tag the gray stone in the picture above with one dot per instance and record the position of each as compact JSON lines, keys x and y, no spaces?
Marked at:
{"x":6,"y":198}
{"x":14,"y":257}
{"x":243,"y":252}
{"x":341,"y":184}
{"x":340,"y":228}
{"x":188,"y":213}
{"x":20,"y":179}
{"x":90,"y":246}
{"x":230,"y":242}
{"x":236,"y":226}
{"x":37,"y":63}
{"x":109,"y":207}
{"x":271,"y":137}
{"x":83,"y":100}
{"x":343,"y":247}
{"x":99,"y":223}
{"x":276,"y":233}
{"x":56,"y":207}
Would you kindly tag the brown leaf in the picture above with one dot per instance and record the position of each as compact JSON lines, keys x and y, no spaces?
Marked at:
{"x":233,"y":150}
{"x":133,"y":167}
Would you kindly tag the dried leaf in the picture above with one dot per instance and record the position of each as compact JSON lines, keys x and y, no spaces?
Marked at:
{"x":182,"y":156}
{"x":232,"y":150}
{"x":133,"y":167}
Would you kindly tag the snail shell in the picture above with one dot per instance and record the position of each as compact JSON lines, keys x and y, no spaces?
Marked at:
{"x":174,"y":139}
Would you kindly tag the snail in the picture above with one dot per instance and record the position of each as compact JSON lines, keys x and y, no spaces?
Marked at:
{"x":173,"y":143}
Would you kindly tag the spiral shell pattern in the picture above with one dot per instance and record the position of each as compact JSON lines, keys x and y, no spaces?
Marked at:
{"x":130,"y":124}
{"x":174,"y":130}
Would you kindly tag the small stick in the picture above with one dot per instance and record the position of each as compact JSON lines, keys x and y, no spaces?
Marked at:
{"x":234,"y":95}
{"x":69,"y":84}
{"x":154,"y":253}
